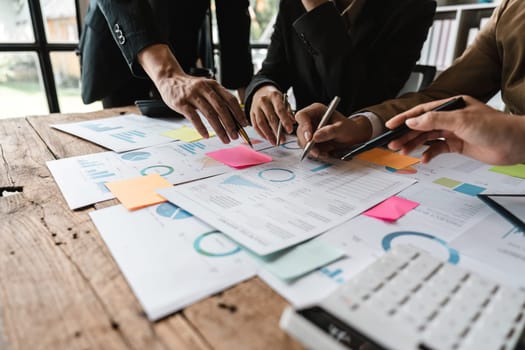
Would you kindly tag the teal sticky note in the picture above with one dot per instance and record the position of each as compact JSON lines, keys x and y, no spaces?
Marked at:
{"x":299,"y":260}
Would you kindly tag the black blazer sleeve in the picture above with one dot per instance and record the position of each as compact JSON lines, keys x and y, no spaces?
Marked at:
{"x":233,"y":23}
{"x":133,"y":28}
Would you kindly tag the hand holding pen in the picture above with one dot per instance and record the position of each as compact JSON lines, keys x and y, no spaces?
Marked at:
{"x":403,"y":129}
{"x":326,"y":117}
{"x":280,"y":127}
{"x":476,"y":131}
{"x":267,"y":109}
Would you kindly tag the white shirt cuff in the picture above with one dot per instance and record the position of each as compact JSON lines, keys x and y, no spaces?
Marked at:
{"x":376,"y":122}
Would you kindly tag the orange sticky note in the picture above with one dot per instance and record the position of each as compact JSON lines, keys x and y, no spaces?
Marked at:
{"x":138,"y":192}
{"x":239,"y":157}
{"x":391,"y":209}
{"x":387,"y":158}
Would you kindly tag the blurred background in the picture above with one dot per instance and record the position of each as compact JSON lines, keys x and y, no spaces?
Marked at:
{"x":40,"y":72}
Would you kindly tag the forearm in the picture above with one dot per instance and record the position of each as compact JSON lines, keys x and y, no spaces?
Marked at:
{"x":517,"y":141}
{"x":159,"y":62}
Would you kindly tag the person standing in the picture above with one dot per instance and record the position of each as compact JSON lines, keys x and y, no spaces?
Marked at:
{"x":133,"y":49}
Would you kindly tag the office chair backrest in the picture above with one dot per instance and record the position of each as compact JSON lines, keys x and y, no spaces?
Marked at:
{"x":420,"y":78}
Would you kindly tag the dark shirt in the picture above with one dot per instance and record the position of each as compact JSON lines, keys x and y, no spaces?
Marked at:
{"x":321,"y":56}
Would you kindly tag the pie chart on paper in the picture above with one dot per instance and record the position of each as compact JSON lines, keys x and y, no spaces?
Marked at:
{"x":136,"y":156}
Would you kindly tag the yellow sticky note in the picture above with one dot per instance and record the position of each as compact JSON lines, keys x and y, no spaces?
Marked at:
{"x":517,"y":170}
{"x":185,"y":134}
{"x":391,"y":159}
{"x":138,"y":192}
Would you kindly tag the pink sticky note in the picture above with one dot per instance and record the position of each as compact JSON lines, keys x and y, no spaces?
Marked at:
{"x":239,"y":157}
{"x":391,"y":209}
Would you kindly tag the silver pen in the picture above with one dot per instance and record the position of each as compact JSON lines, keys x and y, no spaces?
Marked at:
{"x":327,"y":115}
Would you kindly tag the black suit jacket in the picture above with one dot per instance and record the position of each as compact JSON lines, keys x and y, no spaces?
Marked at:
{"x":320,"y":57}
{"x":115,"y":31}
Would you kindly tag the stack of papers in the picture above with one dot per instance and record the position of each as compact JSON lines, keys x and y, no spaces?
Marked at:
{"x":170,"y":258}
{"x":236,"y":213}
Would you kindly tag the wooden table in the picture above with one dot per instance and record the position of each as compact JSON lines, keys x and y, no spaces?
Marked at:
{"x":59,"y":285}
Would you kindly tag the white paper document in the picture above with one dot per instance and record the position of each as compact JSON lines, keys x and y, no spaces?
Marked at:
{"x":463,"y":174}
{"x":441,"y":216}
{"x":81,"y":179}
{"x":290,"y":264}
{"x":317,"y":285}
{"x":124,"y":133}
{"x":169,"y":258}
{"x":498,"y":243}
{"x":276,"y":205}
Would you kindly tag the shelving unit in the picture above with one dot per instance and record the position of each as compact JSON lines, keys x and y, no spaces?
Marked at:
{"x":462,"y":20}
{"x":454,"y":22}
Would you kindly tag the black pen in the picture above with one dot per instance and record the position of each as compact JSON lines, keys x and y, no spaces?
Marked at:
{"x":383,"y":139}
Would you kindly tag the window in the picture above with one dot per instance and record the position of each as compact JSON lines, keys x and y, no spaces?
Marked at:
{"x":263,"y":14}
{"x":39,"y":71}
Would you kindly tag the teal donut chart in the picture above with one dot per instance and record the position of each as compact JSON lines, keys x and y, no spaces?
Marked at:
{"x":291,"y":145}
{"x":453,"y":254}
{"x":198,"y":241}
{"x":167,"y":170}
{"x":289,"y":177}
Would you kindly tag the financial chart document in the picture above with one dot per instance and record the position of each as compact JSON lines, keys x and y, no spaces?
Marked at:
{"x":82,"y":179}
{"x":276,"y":205}
{"x":170,"y":258}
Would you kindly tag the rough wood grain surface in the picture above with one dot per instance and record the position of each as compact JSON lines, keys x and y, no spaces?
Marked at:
{"x":59,"y":285}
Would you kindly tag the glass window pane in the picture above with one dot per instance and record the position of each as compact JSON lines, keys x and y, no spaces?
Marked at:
{"x":21,"y":89}
{"x":60,"y":20}
{"x":15,"y":22}
{"x":66,"y":69}
{"x":258,"y":56}
{"x":263,"y":14}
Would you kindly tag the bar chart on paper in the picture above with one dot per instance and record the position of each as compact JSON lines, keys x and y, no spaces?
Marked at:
{"x":193,"y":148}
{"x":123,"y":133}
{"x":132,"y":136}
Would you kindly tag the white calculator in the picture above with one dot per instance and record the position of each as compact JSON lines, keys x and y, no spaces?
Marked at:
{"x":410,"y":300}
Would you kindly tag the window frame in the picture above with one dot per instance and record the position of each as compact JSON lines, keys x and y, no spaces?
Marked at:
{"x":43,"y":50}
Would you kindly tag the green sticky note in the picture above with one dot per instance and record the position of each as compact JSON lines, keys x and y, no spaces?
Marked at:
{"x":445,"y":181}
{"x":299,"y":260}
{"x":185,"y":134}
{"x":517,"y":170}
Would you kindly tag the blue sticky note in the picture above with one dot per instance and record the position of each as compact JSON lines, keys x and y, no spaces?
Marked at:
{"x":469,"y":189}
{"x":299,"y":260}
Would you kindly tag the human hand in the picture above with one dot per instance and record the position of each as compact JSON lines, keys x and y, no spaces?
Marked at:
{"x":309,"y":5}
{"x":185,"y":94}
{"x":335,"y":138}
{"x":477,"y":131}
{"x":267,"y":109}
